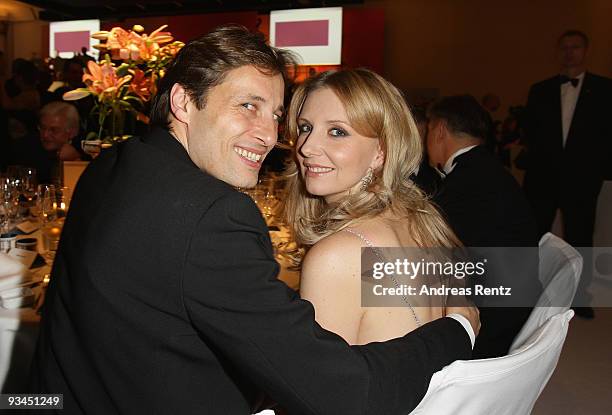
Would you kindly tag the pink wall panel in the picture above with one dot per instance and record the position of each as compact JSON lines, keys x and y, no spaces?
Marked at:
{"x":304,"y":33}
{"x":71,"y":41}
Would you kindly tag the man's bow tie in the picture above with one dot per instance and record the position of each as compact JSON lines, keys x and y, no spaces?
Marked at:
{"x":574,"y":81}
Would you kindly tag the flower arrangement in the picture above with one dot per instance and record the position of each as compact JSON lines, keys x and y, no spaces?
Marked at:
{"x":125,"y":80}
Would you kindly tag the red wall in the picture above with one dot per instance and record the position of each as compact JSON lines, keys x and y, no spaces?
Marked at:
{"x":363,"y":31}
{"x":185,"y":28}
{"x":363,"y":38}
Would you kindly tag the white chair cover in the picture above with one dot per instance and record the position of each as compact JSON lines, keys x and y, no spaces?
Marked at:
{"x":507,"y":385}
{"x":560,"y":269}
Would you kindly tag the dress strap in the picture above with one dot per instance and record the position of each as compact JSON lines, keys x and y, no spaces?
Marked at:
{"x":360,"y":236}
{"x":379,"y":254}
{"x":365,"y":240}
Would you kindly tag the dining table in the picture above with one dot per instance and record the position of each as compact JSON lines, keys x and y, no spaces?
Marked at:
{"x":19,"y":325}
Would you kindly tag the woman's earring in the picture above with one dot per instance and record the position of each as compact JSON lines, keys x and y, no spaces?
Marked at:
{"x":367,"y":179}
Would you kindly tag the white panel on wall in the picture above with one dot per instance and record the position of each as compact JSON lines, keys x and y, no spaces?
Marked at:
{"x":314,"y":34}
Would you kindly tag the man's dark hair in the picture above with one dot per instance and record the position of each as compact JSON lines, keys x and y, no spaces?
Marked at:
{"x":572,"y":33}
{"x":462,"y":115}
{"x":72,"y":61}
{"x":26,"y":70}
{"x":419,"y":114}
{"x":203,"y":63}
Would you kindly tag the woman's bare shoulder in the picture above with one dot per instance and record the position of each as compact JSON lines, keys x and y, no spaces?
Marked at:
{"x":335,"y":248}
{"x":386,"y":231}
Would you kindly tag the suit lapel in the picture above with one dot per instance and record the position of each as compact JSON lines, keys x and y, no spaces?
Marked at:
{"x":582,"y":105}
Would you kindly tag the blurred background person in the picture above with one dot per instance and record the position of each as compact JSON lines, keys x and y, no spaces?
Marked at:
{"x":72,"y":76}
{"x":426,"y":177}
{"x":20,"y":91}
{"x":569,"y":143}
{"x":485,"y":207}
{"x":491,"y":103}
{"x":57,"y":140}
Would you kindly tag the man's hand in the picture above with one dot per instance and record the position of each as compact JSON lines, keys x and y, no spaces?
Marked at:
{"x":68,"y":153}
{"x":469,"y":312}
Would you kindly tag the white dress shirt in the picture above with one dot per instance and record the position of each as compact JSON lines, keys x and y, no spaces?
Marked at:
{"x":466,"y":325}
{"x":450,"y":163}
{"x":569,"y":97}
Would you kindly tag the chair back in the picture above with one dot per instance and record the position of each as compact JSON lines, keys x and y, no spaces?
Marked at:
{"x":508,"y":385}
{"x":71,"y":172}
{"x":559,"y":272}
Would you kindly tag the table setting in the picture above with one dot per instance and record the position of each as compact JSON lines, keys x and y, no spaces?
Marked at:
{"x":22,"y":291}
{"x":267,"y":195}
{"x":31,"y":220}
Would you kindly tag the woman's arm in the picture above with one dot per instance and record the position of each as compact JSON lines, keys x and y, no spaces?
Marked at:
{"x":331,"y":281}
{"x":236,"y":303}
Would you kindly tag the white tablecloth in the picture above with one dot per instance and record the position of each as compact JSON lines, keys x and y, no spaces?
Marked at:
{"x":18,"y":334}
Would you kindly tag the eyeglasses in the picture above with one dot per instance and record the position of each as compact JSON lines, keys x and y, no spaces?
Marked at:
{"x":51,"y":130}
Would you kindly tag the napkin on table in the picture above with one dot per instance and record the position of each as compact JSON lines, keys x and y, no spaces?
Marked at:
{"x":12,"y":271}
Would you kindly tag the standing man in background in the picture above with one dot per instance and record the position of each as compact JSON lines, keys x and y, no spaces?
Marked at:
{"x":569,"y":142}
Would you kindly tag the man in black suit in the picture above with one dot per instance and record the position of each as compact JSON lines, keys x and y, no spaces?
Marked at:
{"x":569,"y":141}
{"x":485,"y":207}
{"x":426,"y":178}
{"x":164,"y":295}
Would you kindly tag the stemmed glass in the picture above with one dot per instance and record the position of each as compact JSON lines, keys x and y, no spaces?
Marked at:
{"x":266,"y":196}
{"x":269,"y":186}
{"x":9,"y":203}
{"x":28,"y":188}
{"x":46,"y":203}
{"x":63,"y":197}
{"x":46,"y":208}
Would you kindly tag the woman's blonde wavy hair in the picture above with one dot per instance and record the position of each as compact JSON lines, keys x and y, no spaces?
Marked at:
{"x":375,"y":108}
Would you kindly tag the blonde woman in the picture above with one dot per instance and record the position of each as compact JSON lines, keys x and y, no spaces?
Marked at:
{"x":356,"y":147}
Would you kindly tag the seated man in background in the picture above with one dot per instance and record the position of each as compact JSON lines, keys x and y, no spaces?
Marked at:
{"x":426,"y":177}
{"x":58,"y":126}
{"x":483,"y":204}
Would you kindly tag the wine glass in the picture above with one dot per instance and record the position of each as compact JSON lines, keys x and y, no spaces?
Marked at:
{"x":29,"y":185}
{"x":269,"y":202}
{"x":46,"y":208}
{"x":13,"y":171}
{"x":63,"y":197}
{"x":46,"y":203}
{"x":9,"y":203}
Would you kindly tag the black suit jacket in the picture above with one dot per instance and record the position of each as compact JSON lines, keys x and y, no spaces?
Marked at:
{"x":165,"y":300}
{"x":486,"y":208}
{"x":484,"y":204}
{"x":572,"y":175}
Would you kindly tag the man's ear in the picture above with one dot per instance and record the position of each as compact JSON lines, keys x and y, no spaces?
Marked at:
{"x":72,"y":133}
{"x":178,"y":103}
{"x":443,"y":130}
{"x":438,"y":130}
